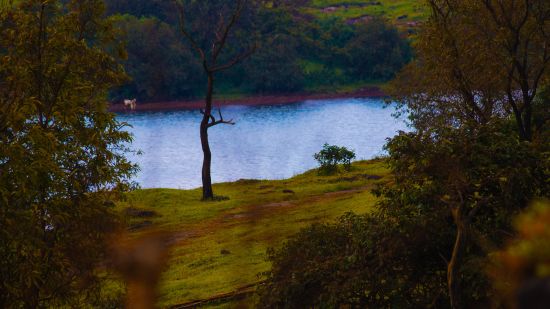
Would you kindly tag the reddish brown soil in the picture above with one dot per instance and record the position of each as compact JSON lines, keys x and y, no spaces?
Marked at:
{"x":367,"y":92}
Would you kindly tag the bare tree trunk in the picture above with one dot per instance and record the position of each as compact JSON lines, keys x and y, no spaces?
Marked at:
{"x":453,"y":280}
{"x":453,"y":267}
{"x":32,"y":300}
{"x":527,"y":121}
{"x":210,"y":65}
{"x":207,"y":192}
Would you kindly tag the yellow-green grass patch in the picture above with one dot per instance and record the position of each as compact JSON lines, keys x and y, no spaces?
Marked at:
{"x":221,"y":246}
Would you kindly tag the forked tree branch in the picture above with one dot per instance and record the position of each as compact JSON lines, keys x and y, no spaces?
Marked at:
{"x":221,"y":34}
{"x":185,"y":33}
{"x":220,"y":43}
{"x":237,"y":59}
{"x":220,"y":120}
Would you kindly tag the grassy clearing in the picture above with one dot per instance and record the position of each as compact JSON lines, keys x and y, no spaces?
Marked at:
{"x":221,"y":246}
{"x":399,"y":12}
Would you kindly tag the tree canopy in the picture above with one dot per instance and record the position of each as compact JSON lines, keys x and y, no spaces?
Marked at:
{"x":478,"y":60}
{"x":62,"y":154}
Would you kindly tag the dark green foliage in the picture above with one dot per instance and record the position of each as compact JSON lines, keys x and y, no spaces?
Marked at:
{"x":274,"y":68}
{"x":161,"y":9}
{"x":61,"y":153}
{"x":161,"y":66}
{"x":353,"y":52}
{"x":376,"y":51}
{"x":330,"y":156}
{"x":479,"y":177}
{"x":361,"y":261}
{"x":330,"y":38}
{"x":488,"y":166}
{"x":204,"y":21}
{"x":486,"y":175}
{"x":465,"y":71}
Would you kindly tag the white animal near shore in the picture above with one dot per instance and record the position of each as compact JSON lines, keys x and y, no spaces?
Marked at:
{"x":130,"y":103}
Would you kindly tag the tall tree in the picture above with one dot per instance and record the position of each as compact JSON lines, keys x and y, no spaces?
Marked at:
{"x":214,"y":37}
{"x":477,"y":60}
{"x":61,"y":153}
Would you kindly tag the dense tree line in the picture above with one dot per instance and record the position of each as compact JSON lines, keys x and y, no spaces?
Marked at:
{"x":296,"y":51}
{"x":160,"y":65}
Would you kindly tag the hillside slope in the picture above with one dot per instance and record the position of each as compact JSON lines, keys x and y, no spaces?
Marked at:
{"x":220,"y":247}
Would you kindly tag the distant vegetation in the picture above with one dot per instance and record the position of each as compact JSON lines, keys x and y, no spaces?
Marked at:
{"x":405,"y":14}
{"x":298,"y":51}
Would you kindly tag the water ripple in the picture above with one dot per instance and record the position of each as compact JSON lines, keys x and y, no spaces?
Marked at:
{"x":268,"y":142}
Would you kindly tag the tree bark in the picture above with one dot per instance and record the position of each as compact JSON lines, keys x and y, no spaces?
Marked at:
{"x":527,"y":121}
{"x":211,"y":66}
{"x":33,"y":296}
{"x":453,"y":267}
{"x":207,"y":192}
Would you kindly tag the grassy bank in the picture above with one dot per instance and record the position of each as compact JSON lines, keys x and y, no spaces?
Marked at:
{"x":221,"y":246}
{"x":225,"y":92}
{"x":398,"y":12}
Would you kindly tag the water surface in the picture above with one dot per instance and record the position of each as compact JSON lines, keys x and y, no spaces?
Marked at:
{"x":267,"y":142}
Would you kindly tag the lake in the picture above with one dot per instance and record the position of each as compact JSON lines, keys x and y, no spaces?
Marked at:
{"x":267,"y":142}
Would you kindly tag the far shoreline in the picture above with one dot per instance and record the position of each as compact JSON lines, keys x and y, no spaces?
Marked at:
{"x":257,"y":100}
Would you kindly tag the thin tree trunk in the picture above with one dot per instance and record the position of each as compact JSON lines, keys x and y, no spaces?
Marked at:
{"x":527,"y":121}
{"x":453,"y":267}
{"x":33,"y":293}
{"x":207,"y":192}
{"x":210,"y":65}
{"x":32,"y":300}
{"x":518,"y":116}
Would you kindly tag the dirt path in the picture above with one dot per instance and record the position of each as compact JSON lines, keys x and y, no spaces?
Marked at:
{"x":248,"y":214}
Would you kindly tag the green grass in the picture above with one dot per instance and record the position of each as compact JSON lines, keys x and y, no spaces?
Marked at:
{"x":258,"y":215}
{"x":409,"y":10}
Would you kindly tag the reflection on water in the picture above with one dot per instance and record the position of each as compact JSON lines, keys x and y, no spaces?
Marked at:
{"x":268,"y":142}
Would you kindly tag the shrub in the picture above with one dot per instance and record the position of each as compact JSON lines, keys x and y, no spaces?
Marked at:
{"x":330,"y":156}
{"x":368,"y":261}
